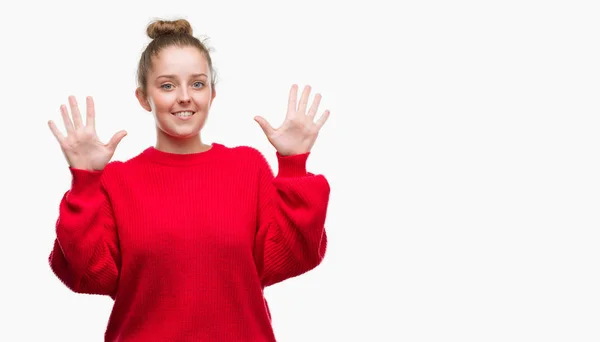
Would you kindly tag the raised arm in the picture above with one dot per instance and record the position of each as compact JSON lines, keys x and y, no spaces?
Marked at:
{"x":291,"y":237}
{"x":85,"y":252}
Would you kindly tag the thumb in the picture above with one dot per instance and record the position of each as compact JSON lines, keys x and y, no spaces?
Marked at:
{"x":116,"y":139}
{"x":266,"y":127}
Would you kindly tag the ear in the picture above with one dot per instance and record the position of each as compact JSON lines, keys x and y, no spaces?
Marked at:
{"x":214,"y":93}
{"x":142,"y":99}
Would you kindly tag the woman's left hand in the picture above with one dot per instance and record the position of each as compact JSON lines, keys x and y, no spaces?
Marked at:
{"x":299,"y":131}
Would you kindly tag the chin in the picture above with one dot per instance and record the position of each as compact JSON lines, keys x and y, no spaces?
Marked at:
{"x":174,"y":132}
{"x":183,"y":134}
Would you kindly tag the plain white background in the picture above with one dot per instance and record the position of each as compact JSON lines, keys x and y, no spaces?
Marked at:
{"x":462,"y":151}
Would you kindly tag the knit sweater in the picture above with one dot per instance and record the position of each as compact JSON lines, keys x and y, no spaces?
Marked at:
{"x":185,"y":244}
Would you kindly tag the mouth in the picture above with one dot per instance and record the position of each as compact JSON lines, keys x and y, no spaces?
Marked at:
{"x":183,"y":114}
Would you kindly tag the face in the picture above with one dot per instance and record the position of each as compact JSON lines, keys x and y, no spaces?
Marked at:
{"x":179,"y":93}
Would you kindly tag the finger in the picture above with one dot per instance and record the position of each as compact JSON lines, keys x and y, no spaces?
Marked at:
{"x":115,"y":140}
{"x":304,"y":100}
{"x":57,"y":134}
{"x":66,"y":119}
{"x":266,"y":127}
{"x":90,"y":119}
{"x":322,"y":119}
{"x":315,"y":105}
{"x":292,"y":100}
{"x":75,"y":112}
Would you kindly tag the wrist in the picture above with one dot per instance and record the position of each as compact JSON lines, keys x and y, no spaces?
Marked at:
{"x":293,"y":165}
{"x":85,"y":182}
{"x":85,"y":164}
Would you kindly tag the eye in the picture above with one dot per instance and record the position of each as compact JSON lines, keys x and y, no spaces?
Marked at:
{"x":198,"y":84}
{"x":167,"y":86}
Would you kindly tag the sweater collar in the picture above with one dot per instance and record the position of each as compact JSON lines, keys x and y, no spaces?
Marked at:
{"x":182,"y":159}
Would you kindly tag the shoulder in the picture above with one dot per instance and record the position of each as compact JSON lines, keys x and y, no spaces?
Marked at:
{"x":244,"y":153}
{"x":111,"y":173}
{"x":116,"y":171}
{"x":240,"y":149}
{"x":127,"y":165}
{"x":117,"y":167}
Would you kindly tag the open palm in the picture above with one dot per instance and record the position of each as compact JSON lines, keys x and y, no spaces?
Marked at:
{"x":299,"y":131}
{"x":81,"y":147}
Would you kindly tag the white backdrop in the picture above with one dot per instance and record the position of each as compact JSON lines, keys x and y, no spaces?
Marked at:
{"x":462,"y":152}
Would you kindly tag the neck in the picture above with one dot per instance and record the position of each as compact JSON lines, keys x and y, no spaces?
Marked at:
{"x":187,"y":145}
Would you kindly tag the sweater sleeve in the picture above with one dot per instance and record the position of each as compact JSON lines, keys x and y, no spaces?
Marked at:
{"x":291,"y":237}
{"x":85,"y":253}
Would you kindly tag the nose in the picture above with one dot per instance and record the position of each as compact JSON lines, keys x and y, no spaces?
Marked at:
{"x":183,"y":96}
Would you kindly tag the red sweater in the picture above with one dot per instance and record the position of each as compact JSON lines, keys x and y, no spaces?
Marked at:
{"x":186,"y":243}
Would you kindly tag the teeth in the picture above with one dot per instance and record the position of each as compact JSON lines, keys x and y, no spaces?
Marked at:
{"x":184,"y":114}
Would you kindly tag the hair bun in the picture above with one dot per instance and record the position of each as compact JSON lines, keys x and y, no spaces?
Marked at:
{"x":163,"y":27}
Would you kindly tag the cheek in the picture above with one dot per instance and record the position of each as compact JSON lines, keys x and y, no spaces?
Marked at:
{"x":161,"y":102}
{"x":203,"y":99}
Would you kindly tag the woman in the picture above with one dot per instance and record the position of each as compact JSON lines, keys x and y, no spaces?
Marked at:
{"x":185,"y":236}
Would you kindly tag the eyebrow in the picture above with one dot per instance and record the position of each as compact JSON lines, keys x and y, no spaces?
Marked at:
{"x":173,"y":76}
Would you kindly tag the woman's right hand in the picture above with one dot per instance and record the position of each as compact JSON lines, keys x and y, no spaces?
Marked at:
{"x":81,"y":147}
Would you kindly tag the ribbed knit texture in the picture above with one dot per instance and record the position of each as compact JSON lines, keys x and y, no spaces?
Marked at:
{"x":186,"y":243}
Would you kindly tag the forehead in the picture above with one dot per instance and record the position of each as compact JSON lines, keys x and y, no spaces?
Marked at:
{"x":180,"y":60}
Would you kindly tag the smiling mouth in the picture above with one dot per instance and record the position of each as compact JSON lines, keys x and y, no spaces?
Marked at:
{"x":186,"y":114}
